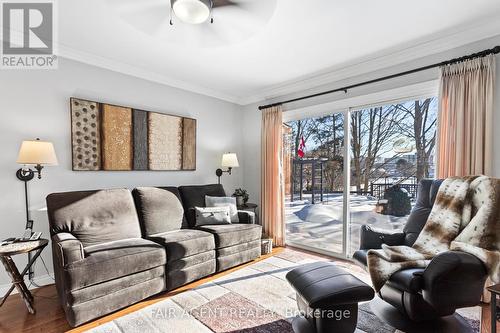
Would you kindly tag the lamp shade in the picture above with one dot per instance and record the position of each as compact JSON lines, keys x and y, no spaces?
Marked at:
{"x":230,"y":160}
{"x":37,"y":152}
{"x":192,"y":11}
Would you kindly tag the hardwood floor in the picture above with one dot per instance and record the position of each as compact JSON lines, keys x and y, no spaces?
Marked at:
{"x":49,"y":317}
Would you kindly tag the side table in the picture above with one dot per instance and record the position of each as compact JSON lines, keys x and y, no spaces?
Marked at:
{"x":6,"y":253}
{"x":251,"y":207}
{"x":495,"y":293}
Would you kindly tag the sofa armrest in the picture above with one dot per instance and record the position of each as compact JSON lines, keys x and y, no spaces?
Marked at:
{"x":67,"y":248}
{"x":246,"y":217}
{"x":372,"y":239}
{"x":454,"y":279}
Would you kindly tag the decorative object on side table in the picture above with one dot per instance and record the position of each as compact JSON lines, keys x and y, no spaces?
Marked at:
{"x":37,"y":154}
{"x":229,"y":161}
{"x":495,"y":294}
{"x":241,"y":196}
{"x":6,"y":253}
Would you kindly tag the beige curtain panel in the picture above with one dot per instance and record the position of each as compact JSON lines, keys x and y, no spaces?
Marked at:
{"x":272,"y":196}
{"x":465,"y":125}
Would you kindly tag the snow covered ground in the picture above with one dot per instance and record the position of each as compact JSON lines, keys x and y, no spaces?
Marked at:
{"x":320,"y":225}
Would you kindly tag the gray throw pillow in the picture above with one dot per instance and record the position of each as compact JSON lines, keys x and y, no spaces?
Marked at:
{"x":224,"y":201}
{"x":212,"y":215}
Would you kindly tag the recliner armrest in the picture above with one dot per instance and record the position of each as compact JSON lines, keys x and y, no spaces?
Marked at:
{"x":68,"y":248}
{"x":246,"y":217}
{"x":371,"y":239}
{"x":452,"y":280}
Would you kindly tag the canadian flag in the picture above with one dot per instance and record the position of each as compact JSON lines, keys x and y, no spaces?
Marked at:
{"x":302,"y":147}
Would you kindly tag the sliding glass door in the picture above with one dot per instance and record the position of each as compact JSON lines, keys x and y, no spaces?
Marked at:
{"x":359,"y":166}
{"x":314,"y":183}
{"x":392,"y":147}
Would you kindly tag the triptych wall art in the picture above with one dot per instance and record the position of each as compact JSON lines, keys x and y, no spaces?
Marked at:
{"x":115,"y":138}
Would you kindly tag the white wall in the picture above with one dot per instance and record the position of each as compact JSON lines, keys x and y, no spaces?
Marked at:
{"x":36,"y":104}
{"x":252,"y":116}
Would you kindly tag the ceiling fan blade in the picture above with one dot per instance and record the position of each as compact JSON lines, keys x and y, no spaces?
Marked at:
{"x":224,"y":3}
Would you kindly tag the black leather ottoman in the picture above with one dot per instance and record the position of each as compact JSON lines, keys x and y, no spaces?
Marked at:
{"x":327,"y":297}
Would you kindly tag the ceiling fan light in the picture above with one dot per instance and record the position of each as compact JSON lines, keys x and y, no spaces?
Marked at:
{"x":192,"y":11}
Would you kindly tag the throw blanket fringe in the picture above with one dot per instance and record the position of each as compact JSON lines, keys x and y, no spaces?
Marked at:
{"x":465,"y":217}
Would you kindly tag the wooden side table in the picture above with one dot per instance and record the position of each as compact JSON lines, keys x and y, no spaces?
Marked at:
{"x":6,"y":253}
{"x":495,"y":293}
{"x":251,"y":207}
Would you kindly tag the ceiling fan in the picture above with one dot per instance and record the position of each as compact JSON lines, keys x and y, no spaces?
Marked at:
{"x":196,"y":11}
{"x":180,"y":21}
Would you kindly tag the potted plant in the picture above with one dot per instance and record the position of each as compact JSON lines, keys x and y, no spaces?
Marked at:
{"x":241,"y":196}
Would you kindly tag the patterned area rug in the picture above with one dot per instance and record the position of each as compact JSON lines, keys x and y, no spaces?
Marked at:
{"x":254,"y":299}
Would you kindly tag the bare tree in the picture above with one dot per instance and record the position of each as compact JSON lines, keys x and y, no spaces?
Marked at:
{"x":422,"y":130}
{"x":372,"y":131}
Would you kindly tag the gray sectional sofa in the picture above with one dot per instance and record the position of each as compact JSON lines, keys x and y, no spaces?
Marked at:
{"x":112,"y":248}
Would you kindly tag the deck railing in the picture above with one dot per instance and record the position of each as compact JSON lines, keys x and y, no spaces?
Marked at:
{"x":378,"y":190}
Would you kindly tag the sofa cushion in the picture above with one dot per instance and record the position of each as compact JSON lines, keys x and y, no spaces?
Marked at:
{"x":194,"y":196}
{"x":212,"y":215}
{"x":184,"y":243}
{"x":159,"y":210}
{"x":113,"y":286}
{"x":233,"y":234}
{"x":94,"y":217}
{"x":224,"y":202}
{"x":112,"y":260}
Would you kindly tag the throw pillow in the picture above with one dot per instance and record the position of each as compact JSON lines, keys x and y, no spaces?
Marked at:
{"x":224,"y":201}
{"x":212,"y":215}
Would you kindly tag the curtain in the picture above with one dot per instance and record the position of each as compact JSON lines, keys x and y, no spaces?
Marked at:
{"x":465,"y":124}
{"x":272,"y":196}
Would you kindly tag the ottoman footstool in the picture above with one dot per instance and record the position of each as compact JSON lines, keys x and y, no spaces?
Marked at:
{"x":327,"y":297}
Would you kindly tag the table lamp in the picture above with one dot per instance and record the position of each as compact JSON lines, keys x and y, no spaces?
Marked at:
{"x":229,"y":161}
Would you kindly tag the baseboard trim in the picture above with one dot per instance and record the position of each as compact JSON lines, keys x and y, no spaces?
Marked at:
{"x":42,"y":280}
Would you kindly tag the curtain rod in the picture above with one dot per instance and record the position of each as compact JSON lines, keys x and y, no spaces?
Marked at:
{"x":494,"y":50}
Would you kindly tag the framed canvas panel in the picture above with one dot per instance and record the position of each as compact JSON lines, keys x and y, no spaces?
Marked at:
{"x":86,"y":135}
{"x":116,"y":134}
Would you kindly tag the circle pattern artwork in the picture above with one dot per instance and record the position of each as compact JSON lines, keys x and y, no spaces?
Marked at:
{"x":85,"y":137}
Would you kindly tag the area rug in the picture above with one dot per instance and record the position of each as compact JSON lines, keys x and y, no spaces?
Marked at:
{"x":253,"y":299}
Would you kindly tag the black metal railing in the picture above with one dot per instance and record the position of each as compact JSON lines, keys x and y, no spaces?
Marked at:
{"x":378,"y":190}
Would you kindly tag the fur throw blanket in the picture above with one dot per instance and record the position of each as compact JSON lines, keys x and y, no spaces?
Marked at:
{"x":465,"y":217}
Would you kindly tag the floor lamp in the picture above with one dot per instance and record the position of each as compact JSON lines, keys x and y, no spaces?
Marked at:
{"x":37,"y":154}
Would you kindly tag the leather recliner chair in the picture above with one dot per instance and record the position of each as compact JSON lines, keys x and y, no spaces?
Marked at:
{"x":451,"y":281}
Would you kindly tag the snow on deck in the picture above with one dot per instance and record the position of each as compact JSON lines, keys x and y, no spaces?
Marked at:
{"x":320,"y":225}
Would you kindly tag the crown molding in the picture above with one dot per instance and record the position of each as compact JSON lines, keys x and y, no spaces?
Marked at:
{"x":66,"y":52}
{"x":403,"y":53}
{"x":128,"y":69}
